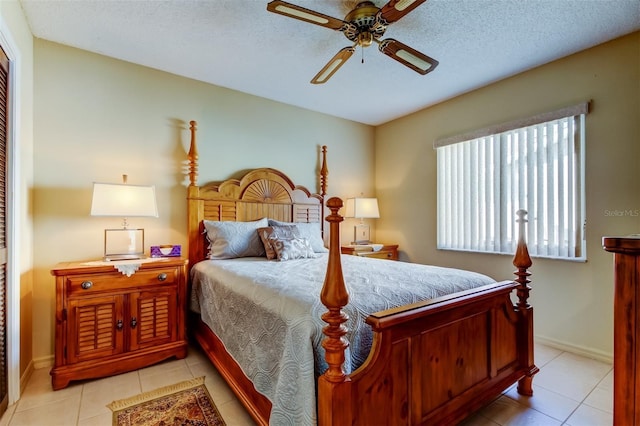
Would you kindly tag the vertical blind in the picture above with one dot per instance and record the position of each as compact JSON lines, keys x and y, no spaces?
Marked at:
{"x":538,"y":167}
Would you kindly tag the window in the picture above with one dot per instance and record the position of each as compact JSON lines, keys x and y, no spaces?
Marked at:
{"x":536,"y":165}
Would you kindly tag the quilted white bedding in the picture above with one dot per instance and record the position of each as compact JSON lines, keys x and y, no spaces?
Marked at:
{"x":267,"y":313}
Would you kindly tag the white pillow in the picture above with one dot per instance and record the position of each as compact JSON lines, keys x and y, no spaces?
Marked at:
{"x":228,"y":240}
{"x":310,"y":231}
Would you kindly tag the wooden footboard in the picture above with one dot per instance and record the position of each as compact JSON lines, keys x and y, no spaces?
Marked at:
{"x":433,"y":362}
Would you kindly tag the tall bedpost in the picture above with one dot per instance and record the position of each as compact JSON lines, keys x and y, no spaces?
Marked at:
{"x":324,"y":172}
{"x":522,"y":261}
{"x":193,"y":155}
{"x":334,"y":404}
{"x":195,"y":211}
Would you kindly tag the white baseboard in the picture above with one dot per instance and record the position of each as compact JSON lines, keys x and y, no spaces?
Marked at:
{"x":578,"y":350}
{"x":24,"y":379}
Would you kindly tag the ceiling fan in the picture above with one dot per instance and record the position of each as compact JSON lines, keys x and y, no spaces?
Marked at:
{"x":363,"y":25}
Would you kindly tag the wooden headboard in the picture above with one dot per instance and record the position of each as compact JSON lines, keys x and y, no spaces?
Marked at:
{"x":259,"y":193}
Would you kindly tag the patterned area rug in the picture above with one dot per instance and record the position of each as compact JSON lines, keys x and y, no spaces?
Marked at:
{"x":185,"y":403}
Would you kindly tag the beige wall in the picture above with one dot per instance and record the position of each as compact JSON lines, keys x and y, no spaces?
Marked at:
{"x":573,"y":301}
{"x":21,"y":148}
{"x":97,"y":118}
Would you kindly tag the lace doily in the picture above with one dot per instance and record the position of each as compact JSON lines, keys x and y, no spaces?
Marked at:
{"x":127,"y":269}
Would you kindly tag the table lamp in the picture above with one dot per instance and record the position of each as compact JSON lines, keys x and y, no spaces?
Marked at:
{"x":125,"y":201}
{"x":362,"y":208}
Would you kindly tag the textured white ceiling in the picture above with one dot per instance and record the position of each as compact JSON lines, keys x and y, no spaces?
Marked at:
{"x":239,"y":45}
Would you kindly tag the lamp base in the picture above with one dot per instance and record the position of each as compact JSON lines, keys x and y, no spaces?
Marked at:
{"x":116,"y":257}
{"x":361,"y":234}
{"x":123,"y":244}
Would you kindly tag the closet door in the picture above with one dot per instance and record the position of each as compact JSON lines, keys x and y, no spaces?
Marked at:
{"x":4,"y":120}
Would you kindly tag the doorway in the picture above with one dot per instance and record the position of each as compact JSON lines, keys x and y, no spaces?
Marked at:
{"x":4,"y":121}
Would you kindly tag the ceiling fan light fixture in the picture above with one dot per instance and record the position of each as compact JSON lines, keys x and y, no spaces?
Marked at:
{"x":301,"y":14}
{"x":365,"y":39}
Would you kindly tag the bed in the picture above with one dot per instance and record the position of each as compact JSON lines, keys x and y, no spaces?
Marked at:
{"x":433,"y":360}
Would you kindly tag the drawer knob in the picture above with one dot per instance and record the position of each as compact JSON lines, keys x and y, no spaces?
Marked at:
{"x":86,"y":285}
{"x":162,"y":277}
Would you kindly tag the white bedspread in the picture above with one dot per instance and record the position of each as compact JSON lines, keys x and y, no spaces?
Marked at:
{"x":267,"y":313}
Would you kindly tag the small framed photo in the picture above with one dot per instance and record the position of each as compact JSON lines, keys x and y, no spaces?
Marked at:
{"x":123,"y":244}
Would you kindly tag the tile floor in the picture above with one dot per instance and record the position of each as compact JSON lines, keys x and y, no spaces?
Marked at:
{"x":569,"y":390}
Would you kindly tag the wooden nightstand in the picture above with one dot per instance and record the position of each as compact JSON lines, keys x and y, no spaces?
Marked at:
{"x":388,"y":251}
{"x":108,"y":323}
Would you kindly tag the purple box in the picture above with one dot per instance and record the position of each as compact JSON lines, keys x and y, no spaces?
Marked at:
{"x":166,"y":250}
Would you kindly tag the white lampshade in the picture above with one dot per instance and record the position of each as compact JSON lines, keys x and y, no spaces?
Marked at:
{"x":123,"y":200}
{"x":362,"y":208}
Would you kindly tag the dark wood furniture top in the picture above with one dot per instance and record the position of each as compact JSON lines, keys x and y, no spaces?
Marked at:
{"x":626,"y":332}
{"x":434,"y":362}
{"x":388,"y":251}
{"x":108,"y":323}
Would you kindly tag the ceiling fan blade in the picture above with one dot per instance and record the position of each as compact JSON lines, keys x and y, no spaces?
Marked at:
{"x":333,"y":65}
{"x":419,"y":62}
{"x":303,"y":14}
{"x":396,"y":9}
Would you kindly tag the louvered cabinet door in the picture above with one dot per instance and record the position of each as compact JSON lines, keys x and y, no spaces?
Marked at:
{"x":96,"y":328}
{"x":153,"y":317}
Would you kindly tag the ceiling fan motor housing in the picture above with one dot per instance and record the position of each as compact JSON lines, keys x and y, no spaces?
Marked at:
{"x":364,"y":19}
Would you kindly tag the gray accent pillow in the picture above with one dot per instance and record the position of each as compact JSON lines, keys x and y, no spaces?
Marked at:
{"x":310,"y":231}
{"x":292,"y":248}
{"x":272,"y":232}
{"x":228,"y":240}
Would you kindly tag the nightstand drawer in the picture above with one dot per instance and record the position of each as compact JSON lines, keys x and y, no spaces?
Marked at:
{"x":387,"y":251}
{"x":93,"y":283}
{"x":382,"y":254}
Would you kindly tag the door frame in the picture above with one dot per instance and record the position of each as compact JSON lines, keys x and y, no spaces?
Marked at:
{"x":14,"y":200}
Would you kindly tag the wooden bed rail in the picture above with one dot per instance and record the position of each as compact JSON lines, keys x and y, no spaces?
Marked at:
{"x":433,"y":362}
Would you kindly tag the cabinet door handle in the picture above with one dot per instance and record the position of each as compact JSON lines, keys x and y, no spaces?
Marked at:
{"x":162,"y":277}
{"x":86,"y":285}
{"x":134,"y":322}
{"x":119,"y":324}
